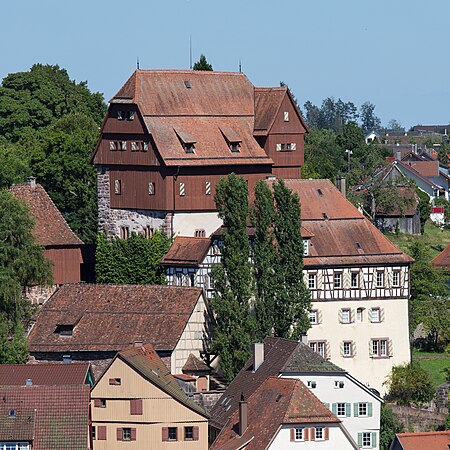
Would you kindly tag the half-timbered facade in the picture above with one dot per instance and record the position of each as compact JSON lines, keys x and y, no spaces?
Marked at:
{"x":168,"y":138}
{"x":359,"y":283}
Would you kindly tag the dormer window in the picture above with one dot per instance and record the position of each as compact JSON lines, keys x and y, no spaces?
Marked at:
{"x":305,"y":247}
{"x":232,"y":138}
{"x":64,"y":330}
{"x":186,"y":140}
{"x":112,"y":145}
{"x":128,"y":115}
{"x":287,"y":147}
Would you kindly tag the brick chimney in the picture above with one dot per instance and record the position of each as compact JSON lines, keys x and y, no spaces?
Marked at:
{"x":258,"y":355}
{"x":243,"y":415}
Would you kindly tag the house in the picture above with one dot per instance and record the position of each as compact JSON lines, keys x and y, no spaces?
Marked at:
{"x":358,"y":279}
{"x":442,"y":260}
{"x":372,"y":137}
{"x":45,"y":417}
{"x":45,"y":374}
{"x":92,"y":322}
{"x":51,"y":231}
{"x":283,"y":414}
{"x":170,"y":135}
{"x":436,"y":440}
{"x":138,"y":400}
{"x":356,"y":406}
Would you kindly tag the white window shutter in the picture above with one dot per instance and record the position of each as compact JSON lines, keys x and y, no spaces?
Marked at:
{"x":319,"y":316}
{"x":342,"y":348}
{"x":208,"y":188}
{"x":286,"y":116}
{"x":370,"y":314}
{"x":278,"y":147}
{"x":182,"y":189}
{"x":370,"y":348}
{"x":131,"y":115}
{"x":112,"y":145}
{"x":381,"y":314}
{"x":390,"y":348}
{"x":340,"y":316}
{"x":293,"y":146}
{"x":353,"y":348}
{"x":327,"y":350}
{"x":352,"y":315}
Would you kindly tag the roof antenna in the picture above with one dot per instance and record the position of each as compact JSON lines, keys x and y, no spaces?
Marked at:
{"x":137,"y":63}
{"x":190,"y":52}
{"x":240,"y":66}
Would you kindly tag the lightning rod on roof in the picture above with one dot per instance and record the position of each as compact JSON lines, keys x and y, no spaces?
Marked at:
{"x":137,"y":63}
{"x":190,"y":52}
{"x":240,"y":66}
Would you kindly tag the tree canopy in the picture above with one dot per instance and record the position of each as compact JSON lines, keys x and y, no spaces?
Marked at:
{"x":202,"y":64}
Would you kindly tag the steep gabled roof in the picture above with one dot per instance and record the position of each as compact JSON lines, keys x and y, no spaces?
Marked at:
{"x":435,"y":440}
{"x":276,"y":402}
{"x":147,"y":363}
{"x":51,"y":229}
{"x":48,"y":374}
{"x":108,"y":317}
{"x":52,"y":417}
{"x":186,"y":251}
{"x":280,"y":356}
{"x":442,"y":259}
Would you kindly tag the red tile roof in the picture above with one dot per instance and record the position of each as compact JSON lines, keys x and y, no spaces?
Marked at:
{"x":187,"y":251}
{"x":146,"y":361}
{"x":194,"y":364}
{"x":48,"y":374}
{"x":425,"y":168}
{"x":442,"y":259}
{"x":51,"y":229}
{"x":113,"y":317}
{"x":53,"y":417}
{"x":433,"y":440}
{"x":277,"y":401}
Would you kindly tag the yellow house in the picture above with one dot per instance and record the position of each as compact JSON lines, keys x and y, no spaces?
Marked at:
{"x":138,"y":404}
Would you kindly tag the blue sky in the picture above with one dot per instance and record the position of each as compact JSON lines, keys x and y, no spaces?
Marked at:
{"x":393,"y":53}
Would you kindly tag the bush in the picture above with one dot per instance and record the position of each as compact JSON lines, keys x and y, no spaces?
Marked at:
{"x":410,"y":384}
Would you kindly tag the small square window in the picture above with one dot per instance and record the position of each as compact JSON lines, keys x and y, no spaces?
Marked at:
{"x":312,"y":277}
{"x":338,"y":280}
{"x":134,"y":146}
{"x":126,"y":434}
{"x":345,"y":315}
{"x":115,"y":381}
{"x":172,"y":433}
{"x":235,"y":147}
{"x":299,"y":434}
{"x":200,"y":233}
{"x":112,"y":145}
{"x":188,"y":433}
{"x":339,"y":384}
{"x":340,"y":408}
{"x":208,"y":188}
{"x":311,"y":384}
{"x":130,"y":115}
{"x":120,"y":115}
{"x":319,"y":434}
{"x":188,"y":147}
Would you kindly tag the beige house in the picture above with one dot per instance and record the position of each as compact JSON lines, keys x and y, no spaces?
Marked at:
{"x":138,"y":404}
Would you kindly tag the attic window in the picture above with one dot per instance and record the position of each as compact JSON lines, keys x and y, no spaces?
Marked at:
{"x":187,"y":141}
{"x":232,"y":138}
{"x":320,"y":191}
{"x":64,"y":330}
{"x":286,"y":116}
{"x":287,"y":147}
{"x":12,"y":413}
{"x":187,"y":84}
{"x":324,"y":215}
{"x":122,"y":115}
{"x":358,"y":245}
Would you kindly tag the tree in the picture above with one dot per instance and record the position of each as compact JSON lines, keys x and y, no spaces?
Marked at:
{"x":292,"y":297}
{"x":410,"y":384}
{"x":429,"y":304}
{"x":22,"y":265}
{"x":136,"y":260}
{"x":424,"y":208}
{"x":202,"y":64}
{"x":369,"y":121}
{"x":232,"y":278}
{"x":389,"y":426}
{"x":394,"y":124}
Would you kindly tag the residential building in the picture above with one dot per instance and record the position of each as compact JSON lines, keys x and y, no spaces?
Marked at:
{"x":45,"y":417}
{"x":355,"y":405}
{"x":358,"y":279}
{"x":92,"y":322}
{"x":283,"y":414}
{"x":62,"y":247}
{"x":138,"y":404}
{"x":170,"y":135}
{"x":442,"y":260}
{"x":436,"y":440}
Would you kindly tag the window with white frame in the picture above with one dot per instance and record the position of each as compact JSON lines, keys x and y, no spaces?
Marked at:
{"x":123,"y":145}
{"x":312,"y":281}
{"x":319,"y":434}
{"x":112,"y":145}
{"x":311,"y":384}
{"x":380,"y":348}
{"x":337,"y":280}
{"x":339,"y":384}
{"x":319,"y":347}
{"x":134,"y":146}
{"x":314,"y":317}
{"x":380,"y":279}
{"x":340,"y":409}
{"x":362,"y":409}
{"x":359,"y":314}
{"x":145,"y":147}
{"x":151,"y":188}
{"x":347,"y":349}
{"x":395,"y":278}
{"x":366,"y":440}
{"x":299,"y":434}
{"x":355,"y":280}
{"x":375,"y":315}
{"x":346,"y":315}
{"x":14,"y":446}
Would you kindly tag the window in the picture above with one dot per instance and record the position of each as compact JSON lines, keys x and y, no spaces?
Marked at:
{"x":359,"y":314}
{"x":99,"y":403}
{"x":340,"y":409}
{"x":347,"y":349}
{"x":112,"y":145}
{"x":136,"y":406}
{"x":355,"y":280}
{"x":396,"y":278}
{"x":299,"y":434}
{"x":338,"y":280}
{"x":366,"y":440}
{"x":64,"y":330}
{"x":200,"y":233}
{"x":148,"y":231}
{"x":208,"y":188}
{"x":319,"y":434}
{"x":101,"y":433}
{"x":182,"y":190}
{"x":117,"y":187}
{"x":130,"y":115}
{"x":380,"y":279}
{"x":362,"y":409}
{"x":346,"y":315}
{"x":286,"y":116}
{"x":93,"y":433}
{"x":120,"y":115}
{"x":312,"y":280}
{"x":313,"y":317}
{"x":145,"y":147}
{"x":339,"y":384}
{"x":123,"y":145}
{"x":172,"y":433}
{"x":124,"y":232}
{"x":318,"y":347}
{"x":188,"y":433}
{"x":305,"y":247}
{"x":379,"y":348}
{"x":235,"y":147}
{"x":115,"y":381}
{"x":287,"y":147}
{"x":126,"y":436}
{"x":151,"y":188}
{"x":135,"y":146}
{"x":375,"y":315}
{"x":192,"y":279}
{"x":14,"y":446}
{"x":311,"y":384}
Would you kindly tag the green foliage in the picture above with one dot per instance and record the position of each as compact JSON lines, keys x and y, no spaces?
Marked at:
{"x":15,"y":166}
{"x":135,"y":260}
{"x":22,"y":264}
{"x":369,"y":121}
{"x":410,"y":384}
{"x":233,"y":280}
{"x":423,"y":208}
{"x":440,"y":201}
{"x":429,"y":304}
{"x":389,"y":426}
{"x":292,"y":297}
{"x":202,"y":64}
